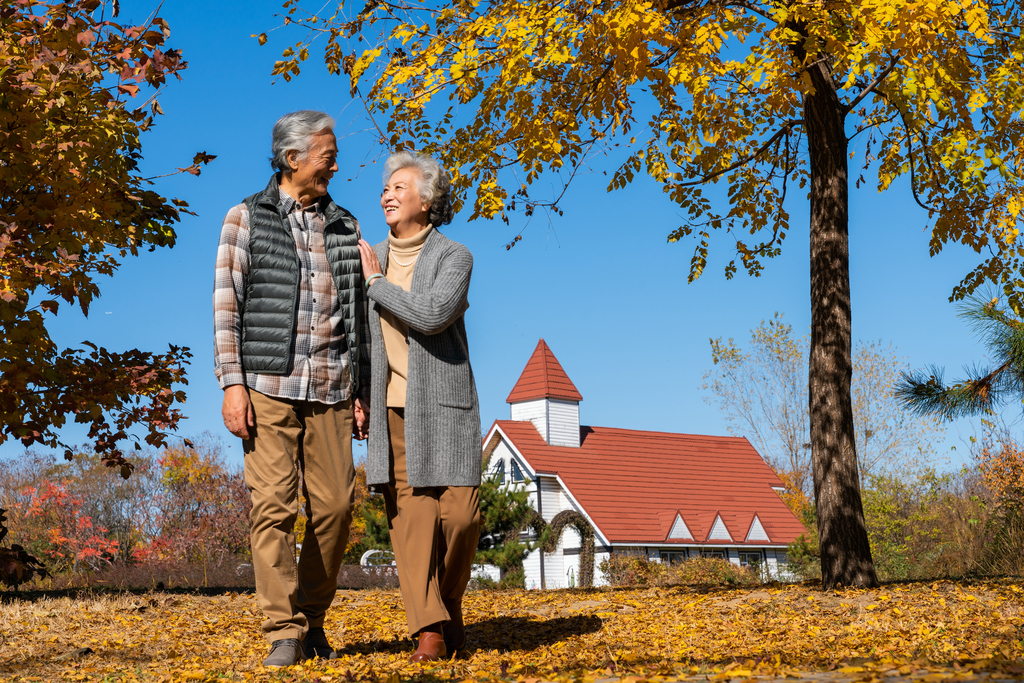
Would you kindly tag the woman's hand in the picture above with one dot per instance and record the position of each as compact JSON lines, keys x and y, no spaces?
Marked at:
{"x":371,"y":266}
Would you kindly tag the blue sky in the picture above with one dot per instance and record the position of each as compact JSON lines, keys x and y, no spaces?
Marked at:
{"x":600,"y":284}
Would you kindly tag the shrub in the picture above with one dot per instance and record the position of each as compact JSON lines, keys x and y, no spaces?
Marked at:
{"x":803,"y":558}
{"x":631,"y":569}
{"x":709,"y":571}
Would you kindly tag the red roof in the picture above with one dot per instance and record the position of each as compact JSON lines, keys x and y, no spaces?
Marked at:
{"x":633,"y":483}
{"x":543,"y":377}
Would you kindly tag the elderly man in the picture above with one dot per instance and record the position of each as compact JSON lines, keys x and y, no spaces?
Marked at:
{"x":290,"y":355}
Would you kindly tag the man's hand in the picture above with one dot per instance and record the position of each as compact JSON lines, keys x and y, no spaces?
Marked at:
{"x":237,"y":411}
{"x":361,"y":427}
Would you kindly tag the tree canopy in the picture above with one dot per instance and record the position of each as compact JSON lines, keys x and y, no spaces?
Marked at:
{"x":708,"y":91}
{"x":765,"y":97}
{"x":74,"y":205}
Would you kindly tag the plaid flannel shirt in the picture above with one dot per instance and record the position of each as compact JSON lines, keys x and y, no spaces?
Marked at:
{"x":319,"y":368}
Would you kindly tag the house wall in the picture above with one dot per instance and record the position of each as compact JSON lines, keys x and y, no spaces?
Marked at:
{"x":599,"y":578}
{"x":563,"y":423}
{"x":551,"y":505}
{"x":531,"y":566}
{"x":535,"y":412}
{"x":557,"y":421}
{"x":551,"y":497}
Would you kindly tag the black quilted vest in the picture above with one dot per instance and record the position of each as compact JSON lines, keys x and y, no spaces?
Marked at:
{"x":272,"y":288}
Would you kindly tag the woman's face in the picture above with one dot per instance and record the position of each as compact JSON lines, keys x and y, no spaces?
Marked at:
{"x":401,"y":201}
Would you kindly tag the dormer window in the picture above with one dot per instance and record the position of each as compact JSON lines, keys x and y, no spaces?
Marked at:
{"x":517,"y":474}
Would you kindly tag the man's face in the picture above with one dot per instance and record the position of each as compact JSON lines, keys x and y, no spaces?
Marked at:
{"x":310,"y":176}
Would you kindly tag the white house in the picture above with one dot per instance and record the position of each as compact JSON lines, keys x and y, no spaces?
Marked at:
{"x":668,"y":496}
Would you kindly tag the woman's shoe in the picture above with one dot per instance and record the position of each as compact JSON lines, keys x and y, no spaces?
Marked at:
{"x":430,"y":649}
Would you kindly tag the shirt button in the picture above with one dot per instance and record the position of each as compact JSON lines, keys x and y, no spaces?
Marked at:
{"x":313,"y":327}
{"x":312,"y":274}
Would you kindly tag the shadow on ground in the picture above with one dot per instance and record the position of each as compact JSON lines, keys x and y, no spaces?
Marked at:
{"x":505,"y":634}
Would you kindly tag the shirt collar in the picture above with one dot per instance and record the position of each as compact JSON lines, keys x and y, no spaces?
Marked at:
{"x":286,"y":205}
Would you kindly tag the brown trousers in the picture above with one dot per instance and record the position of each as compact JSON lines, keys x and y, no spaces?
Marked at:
{"x":434,"y":533}
{"x":316,"y":439}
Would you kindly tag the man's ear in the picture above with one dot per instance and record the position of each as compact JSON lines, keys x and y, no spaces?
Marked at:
{"x":292,"y":156}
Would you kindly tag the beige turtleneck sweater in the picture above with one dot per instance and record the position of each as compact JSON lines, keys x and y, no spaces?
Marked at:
{"x":396,"y":332}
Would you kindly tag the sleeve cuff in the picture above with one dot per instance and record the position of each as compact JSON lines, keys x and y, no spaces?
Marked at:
{"x":230,"y":375}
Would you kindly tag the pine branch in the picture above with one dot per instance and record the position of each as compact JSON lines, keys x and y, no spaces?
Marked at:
{"x":984,"y":389}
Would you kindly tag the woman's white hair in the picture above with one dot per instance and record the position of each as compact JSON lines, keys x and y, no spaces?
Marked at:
{"x":434,"y":187}
{"x":295,"y":131}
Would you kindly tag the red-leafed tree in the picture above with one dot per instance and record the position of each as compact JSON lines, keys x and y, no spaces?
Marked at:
{"x":73,"y":205}
{"x":72,"y":539}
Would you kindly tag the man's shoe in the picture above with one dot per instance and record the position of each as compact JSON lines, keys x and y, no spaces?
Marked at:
{"x":430,"y":649}
{"x":454,"y":631}
{"x":315,"y":645}
{"x":284,"y":652}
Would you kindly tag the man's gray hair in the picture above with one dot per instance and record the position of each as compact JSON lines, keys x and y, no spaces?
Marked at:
{"x":296,"y":131}
{"x":434,"y":186}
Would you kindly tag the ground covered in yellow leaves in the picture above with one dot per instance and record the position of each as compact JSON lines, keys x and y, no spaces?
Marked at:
{"x":929,"y":631}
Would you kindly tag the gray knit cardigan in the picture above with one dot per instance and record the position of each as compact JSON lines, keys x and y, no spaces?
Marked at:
{"x":443,"y":444}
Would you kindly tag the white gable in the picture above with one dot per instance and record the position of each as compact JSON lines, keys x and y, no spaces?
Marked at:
{"x":718,"y":531}
{"x":757,"y":532}
{"x":679,"y":530}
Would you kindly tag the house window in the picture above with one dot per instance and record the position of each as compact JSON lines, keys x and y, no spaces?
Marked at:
{"x":720,"y":554}
{"x":673,"y":556}
{"x":517,"y":474}
{"x":749,"y":558}
{"x":498,"y":473}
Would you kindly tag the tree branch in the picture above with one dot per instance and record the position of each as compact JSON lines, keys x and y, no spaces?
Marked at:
{"x":870,"y":87}
{"x":760,"y":150}
{"x":676,"y":5}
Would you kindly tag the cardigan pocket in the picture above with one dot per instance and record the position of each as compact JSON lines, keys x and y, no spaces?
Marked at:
{"x":454,"y":384}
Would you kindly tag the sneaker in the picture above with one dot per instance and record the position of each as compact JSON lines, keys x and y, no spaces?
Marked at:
{"x":284,"y":652}
{"x":315,"y":645}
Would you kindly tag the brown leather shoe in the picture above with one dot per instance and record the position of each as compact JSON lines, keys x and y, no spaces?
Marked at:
{"x":455,"y":630}
{"x":430,"y":649}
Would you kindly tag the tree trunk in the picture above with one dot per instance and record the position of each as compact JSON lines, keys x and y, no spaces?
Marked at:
{"x":845,"y":552}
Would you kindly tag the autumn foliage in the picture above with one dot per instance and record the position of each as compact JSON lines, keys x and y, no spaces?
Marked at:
{"x":182,"y":518}
{"x":1001,"y":461}
{"x":907,"y":633}
{"x":72,"y":537}
{"x":77,"y":91}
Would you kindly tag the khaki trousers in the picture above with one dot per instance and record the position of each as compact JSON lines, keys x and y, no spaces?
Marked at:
{"x":434,"y":533}
{"x":316,"y":439}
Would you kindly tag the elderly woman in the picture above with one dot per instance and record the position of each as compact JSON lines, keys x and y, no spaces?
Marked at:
{"x":424,"y":449}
